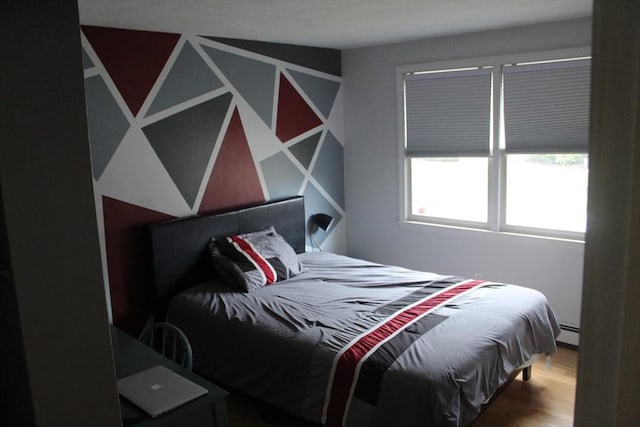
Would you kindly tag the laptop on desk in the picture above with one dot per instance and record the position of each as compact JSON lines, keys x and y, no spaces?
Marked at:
{"x":158,"y":390}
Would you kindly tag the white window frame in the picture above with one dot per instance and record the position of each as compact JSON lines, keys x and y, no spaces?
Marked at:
{"x":497,"y":160}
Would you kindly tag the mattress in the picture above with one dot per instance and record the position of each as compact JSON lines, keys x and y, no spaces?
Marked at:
{"x":355,"y":343}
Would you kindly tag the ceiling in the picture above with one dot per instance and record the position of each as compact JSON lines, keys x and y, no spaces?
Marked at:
{"x":339,"y":24}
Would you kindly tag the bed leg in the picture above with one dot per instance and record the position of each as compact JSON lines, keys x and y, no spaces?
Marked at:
{"x":526,"y":373}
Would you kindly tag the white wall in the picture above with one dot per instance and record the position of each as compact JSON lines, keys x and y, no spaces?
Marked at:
{"x":372,"y":177}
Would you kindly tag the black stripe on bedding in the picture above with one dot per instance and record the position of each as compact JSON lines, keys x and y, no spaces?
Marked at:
{"x":378,"y":363}
{"x":374,"y":368}
{"x":428,"y":289}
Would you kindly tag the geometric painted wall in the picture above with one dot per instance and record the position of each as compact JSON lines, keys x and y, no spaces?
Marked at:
{"x":182,"y":124}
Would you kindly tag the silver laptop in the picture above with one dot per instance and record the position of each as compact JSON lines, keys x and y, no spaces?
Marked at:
{"x":158,"y":390}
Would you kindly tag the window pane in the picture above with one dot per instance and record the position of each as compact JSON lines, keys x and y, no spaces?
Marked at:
{"x":547,"y":191}
{"x":452,"y":188}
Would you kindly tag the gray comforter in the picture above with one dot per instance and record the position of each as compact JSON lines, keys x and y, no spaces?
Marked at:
{"x":290,"y":344}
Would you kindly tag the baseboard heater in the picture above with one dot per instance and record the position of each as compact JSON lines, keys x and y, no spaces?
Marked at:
{"x":571,"y":340}
{"x":569,"y":328}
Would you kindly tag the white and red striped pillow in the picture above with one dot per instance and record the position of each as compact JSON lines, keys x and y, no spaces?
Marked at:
{"x":253,"y":260}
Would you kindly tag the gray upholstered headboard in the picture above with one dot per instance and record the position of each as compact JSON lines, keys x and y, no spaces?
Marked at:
{"x":179,"y":247}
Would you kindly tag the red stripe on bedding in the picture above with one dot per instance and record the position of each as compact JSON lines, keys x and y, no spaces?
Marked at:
{"x":346,"y":370}
{"x":258,"y":260}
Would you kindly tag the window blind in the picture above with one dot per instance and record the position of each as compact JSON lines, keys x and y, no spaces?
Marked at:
{"x":546,"y":107}
{"x":448,"y":113}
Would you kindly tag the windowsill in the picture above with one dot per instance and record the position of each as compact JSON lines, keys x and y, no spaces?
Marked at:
{"x":429,"y":227}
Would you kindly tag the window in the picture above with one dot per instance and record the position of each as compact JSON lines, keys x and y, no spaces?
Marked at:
{"x":499,"y":146}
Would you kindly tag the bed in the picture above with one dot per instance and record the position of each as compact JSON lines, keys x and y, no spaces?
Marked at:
{"x":337,"y":340}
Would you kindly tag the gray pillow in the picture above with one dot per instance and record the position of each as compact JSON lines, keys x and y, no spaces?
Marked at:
{"x":252,"y":260}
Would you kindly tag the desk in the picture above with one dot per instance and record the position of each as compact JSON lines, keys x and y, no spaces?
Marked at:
{"x":131,"y":356}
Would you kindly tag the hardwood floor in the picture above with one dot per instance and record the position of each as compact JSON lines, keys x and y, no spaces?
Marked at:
{"x":547,"y":399}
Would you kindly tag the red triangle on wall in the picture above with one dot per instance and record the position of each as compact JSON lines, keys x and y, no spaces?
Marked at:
{"x":127,"y":250}
{"x":294,"y":114}
{"x":234,"y":180}
{"x":133,"y":59}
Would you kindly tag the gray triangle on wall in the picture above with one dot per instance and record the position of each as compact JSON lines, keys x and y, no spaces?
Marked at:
{"x":305,"y":149}
{"x":185,"y":149}
{"x":86,"y":61}
{"x":107,"y":124}
{"x":254,"y":80}
{"x":322,"y":92}
{"x":188,"y":78}
{"x":329,"y":168}
{"x":282,"y":177}
{"x":317,"y":58}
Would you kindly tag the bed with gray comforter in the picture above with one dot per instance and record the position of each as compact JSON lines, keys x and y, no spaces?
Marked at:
{"x":354,"y":343}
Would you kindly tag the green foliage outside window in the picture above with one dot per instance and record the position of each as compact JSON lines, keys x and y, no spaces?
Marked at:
{"x":575,"y":159}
